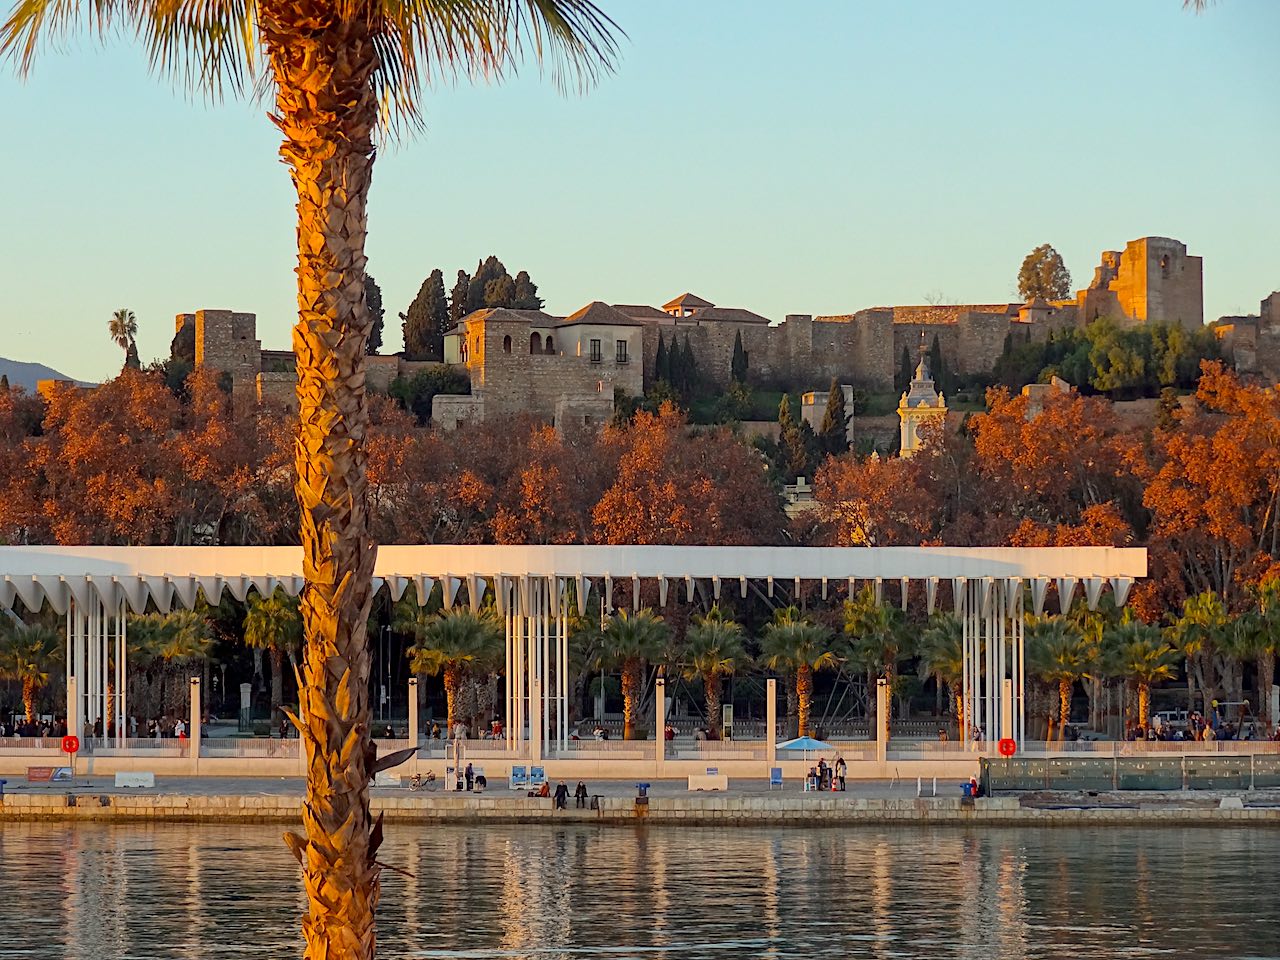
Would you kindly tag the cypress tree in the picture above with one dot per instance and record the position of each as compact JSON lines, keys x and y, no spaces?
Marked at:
{"x":500,"y":292}
{"x":4,"y":383}
{"x":489,"y":269}
{"x":905,"y":372}
{"x":661,"y":361}
{"x":833,"y":434}
{"x":689,"y":368}
{"x":373,"y":302}
{"x":423,"y":323}
{"x":936,"y":366}
{"x":675,"y":365}
{"x":458,"y":298}
{"x":792,"y":449}
{"x":738,"y":367}
{"x":526,"y":293}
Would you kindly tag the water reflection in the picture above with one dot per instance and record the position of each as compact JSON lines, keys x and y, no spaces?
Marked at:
{"x":96,"y":892}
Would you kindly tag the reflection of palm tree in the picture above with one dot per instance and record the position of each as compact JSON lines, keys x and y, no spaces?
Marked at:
{"x":27,"y":654}
{"x":942,"y":657}
{"x":630,"y":641}
{"x":340,"y":74}
{"x":796,"y":645}
{"x":1058,"y":654}
{"x":273,"y":624}
{"x":451,"y":643}
{"x":1140,"y":654}
{"x":713,"y":650}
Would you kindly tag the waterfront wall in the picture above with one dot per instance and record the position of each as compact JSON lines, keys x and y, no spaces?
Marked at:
{"x":795,"y":810}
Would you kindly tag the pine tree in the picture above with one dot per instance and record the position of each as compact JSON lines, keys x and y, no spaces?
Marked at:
{"x":738,"y":367}
{"x":373,"y":302}
{"x":902,"y":382}
{"x":661,"y":362}
{"x":833,"y":436}
{"x":422,"y":323}
{"x":526,"y":293}
{"x":458,"y":298}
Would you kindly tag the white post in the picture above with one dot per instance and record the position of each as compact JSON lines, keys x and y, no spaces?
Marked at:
{"x":1006,"y":711}
{"x":193,"y":732}
{"x":659,"y":727}
{"x":535,"y":729}
{"x":413,"y":724}
{"x":771,"y":722}
{"x":73,"y":708}
{"x":882,"y":721}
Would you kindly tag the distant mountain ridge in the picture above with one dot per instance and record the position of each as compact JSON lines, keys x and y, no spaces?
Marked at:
{"x":25,"y":375}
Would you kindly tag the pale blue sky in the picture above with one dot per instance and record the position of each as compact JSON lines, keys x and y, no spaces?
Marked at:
{"x":805,"y":157}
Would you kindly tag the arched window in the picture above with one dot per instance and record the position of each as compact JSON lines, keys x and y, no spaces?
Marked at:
{"x":550,"y":347}
{"x":1164,"y":266}
{"x":535,"y":342}
{"x":462,"y":349}
{"x":506,"y":344}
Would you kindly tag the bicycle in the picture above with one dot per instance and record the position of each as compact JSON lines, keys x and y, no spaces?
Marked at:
{"x":418,"y":781}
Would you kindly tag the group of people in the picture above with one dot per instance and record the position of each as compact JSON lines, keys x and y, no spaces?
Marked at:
{"x":561,"y":795}
{"x":461,"y":731}
{"x":828,"y":776}
{"x":155,"y":728}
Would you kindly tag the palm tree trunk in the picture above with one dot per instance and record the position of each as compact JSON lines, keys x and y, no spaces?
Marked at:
{"x":630,"y":688}
{"x":1266,"y":667}
{"x":1144,"y":702}
{"x":804,"y":695}
{"x":793,"y":707}
{"x":711,"y":686}
{"x":1064,"y":707}
{"x":29,"y":697}
{"x":277,"y":682}
{"x":323,"y":63}
{"x":452,"y":696}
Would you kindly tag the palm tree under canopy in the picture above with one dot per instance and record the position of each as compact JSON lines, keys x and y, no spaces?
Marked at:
{"x":942,"y":657}
{"x":628,"y":643}
{"x":451,"y":643}
{"x":713,"y":649}
{"x":274,"y":625}
{"x":27,"y":655}
{"x":795,"y":645}
{"x":341,"y":75}
{"x":1059,"y":654}
{"x":1139,"y":653}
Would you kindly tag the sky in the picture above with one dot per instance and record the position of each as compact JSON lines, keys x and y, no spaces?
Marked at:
{"x":807,"y":157}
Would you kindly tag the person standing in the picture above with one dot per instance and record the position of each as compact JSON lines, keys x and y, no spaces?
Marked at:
{"x":580,"y":795}
{"x":562,"y":795}
{"x":471,"y":777}
{"x":841,"y":770}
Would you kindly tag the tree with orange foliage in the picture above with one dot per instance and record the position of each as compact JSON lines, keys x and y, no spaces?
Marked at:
{"x":1045,"y":474}
{"x":872,"y":502}
{"x":548,"y":499}
{"x":680,"y":486}
{"x":1213,"y":488}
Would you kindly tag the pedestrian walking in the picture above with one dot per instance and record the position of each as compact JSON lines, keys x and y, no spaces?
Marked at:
{"x":562,"y":795}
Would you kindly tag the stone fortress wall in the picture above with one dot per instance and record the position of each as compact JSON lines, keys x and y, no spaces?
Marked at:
{"x":522,"y":361}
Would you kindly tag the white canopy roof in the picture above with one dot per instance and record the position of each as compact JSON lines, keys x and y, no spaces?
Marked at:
{"x":169,"y":574}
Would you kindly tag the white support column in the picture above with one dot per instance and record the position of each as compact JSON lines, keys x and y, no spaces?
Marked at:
{"x":193,"y":730}
{"x":535,"y":729}
{"x":882,"y":720}
{"x":413,"y":724}
{"x":73,"y":709}
{"x":659,"y":725}
{"x":771,"y":721}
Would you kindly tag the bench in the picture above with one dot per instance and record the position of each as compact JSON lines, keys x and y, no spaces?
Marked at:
{"x":708,"y":781}
{"x":135,"y":779}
